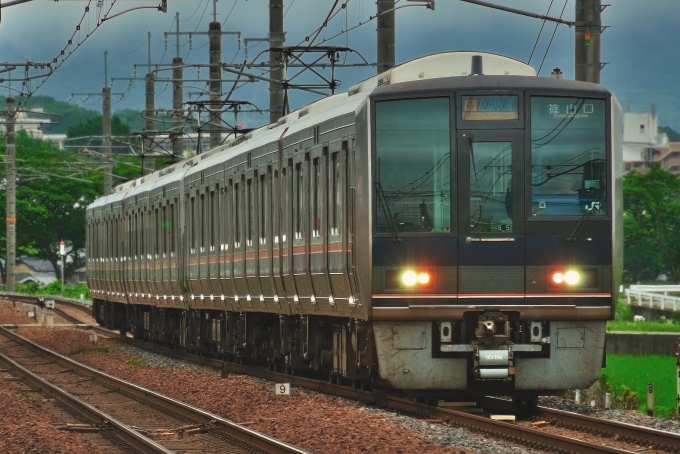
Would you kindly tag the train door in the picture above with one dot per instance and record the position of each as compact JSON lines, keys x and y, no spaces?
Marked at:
{"x":490,"y":213}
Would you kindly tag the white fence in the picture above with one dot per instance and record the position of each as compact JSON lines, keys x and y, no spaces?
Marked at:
{"x":654,"y":296}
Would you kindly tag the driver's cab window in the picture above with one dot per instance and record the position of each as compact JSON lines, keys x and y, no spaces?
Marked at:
{"x":413,"y":165}
{"x":568,"y":157}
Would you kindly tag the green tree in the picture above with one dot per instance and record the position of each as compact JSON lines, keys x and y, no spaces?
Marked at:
{"x":652,"y":215}
{"x":673,"y":136}
{"x":69,"y":114}
{"x":93,"y":127}
{"x":54,"y":187}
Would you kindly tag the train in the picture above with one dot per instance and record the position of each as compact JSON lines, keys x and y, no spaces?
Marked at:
{"x":448,"y":229}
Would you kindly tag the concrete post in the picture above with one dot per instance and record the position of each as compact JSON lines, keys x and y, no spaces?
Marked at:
{"x":177,"y":101}
{"x":276,"y":40}
{"x":149,"y":163}
{"x":11,"y":213}
{"x":215,"y":38}
{"x":106,"y":132}
{"x":587,"y":48}
{"x":386,"y":35}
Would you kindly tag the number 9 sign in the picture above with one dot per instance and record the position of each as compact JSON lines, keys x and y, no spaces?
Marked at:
{"x":282,"y":389}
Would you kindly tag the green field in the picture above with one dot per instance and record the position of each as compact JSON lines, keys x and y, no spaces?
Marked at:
{"x":634,"y":372}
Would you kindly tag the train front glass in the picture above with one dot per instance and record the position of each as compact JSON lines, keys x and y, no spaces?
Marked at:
{"x":501,"y":177}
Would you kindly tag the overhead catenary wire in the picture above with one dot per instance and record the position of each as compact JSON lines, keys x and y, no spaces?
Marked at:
{"x":539,"y":32}
{"x":551,"y":39}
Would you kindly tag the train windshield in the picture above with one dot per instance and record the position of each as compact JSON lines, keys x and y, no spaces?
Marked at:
{"x":568,"y":156}
{"x":413,"y":165}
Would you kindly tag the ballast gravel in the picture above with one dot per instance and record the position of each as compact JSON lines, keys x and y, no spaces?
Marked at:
{"x":315,"y":422}
{"x":312,"y":421}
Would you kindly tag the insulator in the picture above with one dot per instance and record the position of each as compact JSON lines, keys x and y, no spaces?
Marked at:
{"x":191,"y":41}
{"x":165,"y":42}
{"x":198,"y":73}
{"x":134,"y":73}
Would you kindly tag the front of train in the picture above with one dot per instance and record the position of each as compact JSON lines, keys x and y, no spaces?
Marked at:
{"x":495,"y":227}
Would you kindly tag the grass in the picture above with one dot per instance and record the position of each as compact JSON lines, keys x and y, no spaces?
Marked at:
{"x":88,"y":349}
{"x":133,"y":361}
{"x":633,"y":373}
{"x":623,"y":321}
{"x":645,"y":327}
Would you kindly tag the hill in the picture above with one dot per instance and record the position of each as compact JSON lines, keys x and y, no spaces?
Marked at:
{"x":73,"y":115}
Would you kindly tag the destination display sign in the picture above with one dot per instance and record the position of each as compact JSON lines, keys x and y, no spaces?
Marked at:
{"x":492,"y":107}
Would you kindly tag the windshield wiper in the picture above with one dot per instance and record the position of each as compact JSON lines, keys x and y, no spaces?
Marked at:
{"x":571,"y":238}
{"x":386,"y":210}
{"x":472,"y":154}
{"x":581,"y":222}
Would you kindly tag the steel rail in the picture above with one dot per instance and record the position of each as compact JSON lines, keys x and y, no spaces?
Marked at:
{"x":522,"y":435}
{"x":102,"y":419}
{"x":658,"y":438}
{"x":512,"y":432}
{"x":221,"y":425}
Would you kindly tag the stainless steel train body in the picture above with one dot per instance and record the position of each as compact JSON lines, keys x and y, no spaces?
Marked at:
{"x":441,"y":233}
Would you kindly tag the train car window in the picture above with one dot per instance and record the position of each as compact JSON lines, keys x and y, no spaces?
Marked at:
{"x":173,"y":229}
{"x":165,"y":230}
{"x":193,"y":225}
{"x":490,"y":187}
{"x":262,"y":187}
{"x":299,"y":200}
{"x":275,"y":206}
{"x":204,"y":224}
{"x":142,"y":232}
{"x":157,"y":233}
{"x":224,"y":216}
{"x":213,"y":219}
{"x":316,"y":197}
{"x":335,"y":181}
{"x":249,"y":215}
{"x":286,"y":192}
{"x":568,"y":156}
{"x":413,"y":165}
{"x":237,"y":214}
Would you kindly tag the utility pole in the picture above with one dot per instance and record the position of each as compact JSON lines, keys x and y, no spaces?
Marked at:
{"x":177,"y":97}
{"x":177,"y":102}
{"x":215,"y":37}
{"x":587,"y":49}
{"x":106,"y":133}
{"x":150,"y":124}
{"x":276,"y":39}
{"x":386,"y":35}
{"x":11,"y":203}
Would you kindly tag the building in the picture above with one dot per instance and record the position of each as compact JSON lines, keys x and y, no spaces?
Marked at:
{"x":33,"y":127}
{"x":31,"y":269}
{"x":643,"y":144}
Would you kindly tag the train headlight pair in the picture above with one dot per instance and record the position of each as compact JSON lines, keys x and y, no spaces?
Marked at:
{"x":411,"y":278}
{"x":570,"y":277}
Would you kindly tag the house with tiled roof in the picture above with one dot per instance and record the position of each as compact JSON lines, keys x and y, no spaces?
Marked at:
{"x":32,"y":269}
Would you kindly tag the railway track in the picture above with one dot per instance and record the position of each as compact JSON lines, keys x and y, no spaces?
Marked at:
{"x":145,"y":420}
{"x":584,"y":434}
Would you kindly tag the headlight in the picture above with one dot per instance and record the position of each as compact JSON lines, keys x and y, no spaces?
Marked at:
{"x":410,"y":278}
{"x":571,"y":277}
{"x":423,"y":278}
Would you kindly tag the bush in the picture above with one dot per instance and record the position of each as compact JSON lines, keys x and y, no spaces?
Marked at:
{"x":54,"y":288}
{"x":623,"y":310}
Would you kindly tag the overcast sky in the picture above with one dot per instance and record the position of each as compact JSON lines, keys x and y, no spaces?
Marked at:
{"x":641,"y":44}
